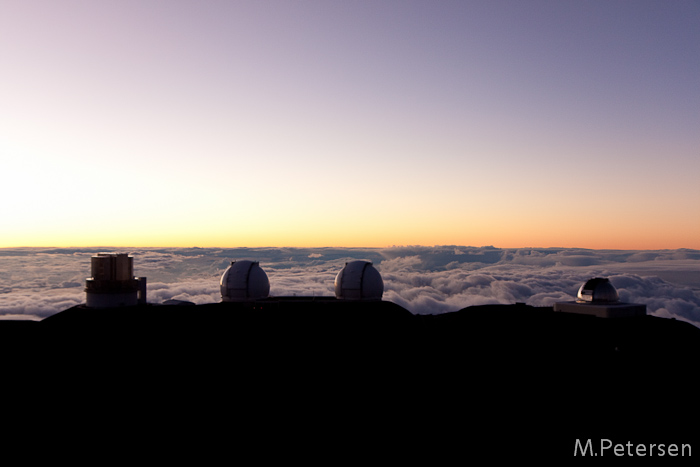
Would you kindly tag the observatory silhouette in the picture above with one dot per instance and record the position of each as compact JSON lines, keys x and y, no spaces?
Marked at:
{"x":244,"y":280}
{"x":113,"y":283}
{"x":359,"y":280}
{"x":598,"y":297}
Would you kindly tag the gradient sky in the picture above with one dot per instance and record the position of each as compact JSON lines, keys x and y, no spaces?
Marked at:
{"x":363,"y":123}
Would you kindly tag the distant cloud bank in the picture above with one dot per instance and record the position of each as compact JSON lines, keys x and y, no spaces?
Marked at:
{"x":38,"y":282}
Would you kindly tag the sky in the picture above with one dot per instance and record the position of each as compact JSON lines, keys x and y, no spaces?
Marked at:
{"x":39,"y":282}
{"x":357,"y":124}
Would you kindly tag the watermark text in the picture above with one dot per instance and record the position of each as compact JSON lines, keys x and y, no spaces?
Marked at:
{"x":607,"y":448}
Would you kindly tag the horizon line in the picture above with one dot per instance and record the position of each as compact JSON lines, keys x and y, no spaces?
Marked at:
{"x":107,"y":247}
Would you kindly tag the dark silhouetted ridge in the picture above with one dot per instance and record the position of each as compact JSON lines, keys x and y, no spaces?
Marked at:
{"x":504,"y":380}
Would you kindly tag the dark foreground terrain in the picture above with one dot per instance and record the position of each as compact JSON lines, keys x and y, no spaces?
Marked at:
{"x":333,"y":381}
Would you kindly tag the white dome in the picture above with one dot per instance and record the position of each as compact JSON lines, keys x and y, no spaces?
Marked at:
{"x":598,"y":289}
{"x":359,"y":280}
{"x":244,"y":280}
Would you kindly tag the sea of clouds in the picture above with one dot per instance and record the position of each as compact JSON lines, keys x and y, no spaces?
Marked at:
{"x":38,"y":282}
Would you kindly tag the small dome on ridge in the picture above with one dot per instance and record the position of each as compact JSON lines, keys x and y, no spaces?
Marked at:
{"x":359,"y":280}
{"x":244,"y":280}
{"x":598,"y":289}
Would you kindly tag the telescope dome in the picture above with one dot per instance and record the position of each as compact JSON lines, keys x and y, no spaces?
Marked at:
{"x":359,"y":280}
{"x":244,"y":280}
{"x":598,"y":289}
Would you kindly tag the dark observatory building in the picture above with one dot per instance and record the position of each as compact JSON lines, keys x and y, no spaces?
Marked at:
{"x":598,"y":297}
{"x":113,"y":283}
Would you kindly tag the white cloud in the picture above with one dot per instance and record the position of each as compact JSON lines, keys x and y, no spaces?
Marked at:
{"x":198,"y":291}
{"x":38,"y":304}
{"x":41,"y":282}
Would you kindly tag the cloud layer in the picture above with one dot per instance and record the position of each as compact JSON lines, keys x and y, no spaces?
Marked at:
{"x":35,"y":283}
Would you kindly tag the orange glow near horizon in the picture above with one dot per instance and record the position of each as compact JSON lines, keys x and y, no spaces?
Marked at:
{"x":229,"y":124}
{"x":504,"y":223}
{"x":274,"y":235}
